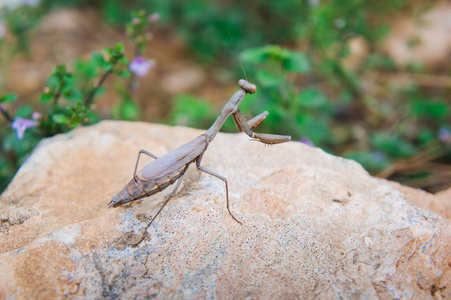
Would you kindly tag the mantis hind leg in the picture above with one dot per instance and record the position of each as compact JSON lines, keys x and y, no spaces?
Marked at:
{"x":136,"y":167}
{"x":161,"y":208}
{"x":221,"y":178}
{"x":139,"y":155}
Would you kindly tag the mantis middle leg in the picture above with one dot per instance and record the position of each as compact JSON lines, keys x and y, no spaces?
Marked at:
{"x":221,"y":178}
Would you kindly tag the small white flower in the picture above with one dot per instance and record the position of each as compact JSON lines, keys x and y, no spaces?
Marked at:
{"x":314,"y":2}
{"x":340,"y":23}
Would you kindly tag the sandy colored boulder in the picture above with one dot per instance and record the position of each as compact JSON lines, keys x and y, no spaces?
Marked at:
{"x":314,"y":225}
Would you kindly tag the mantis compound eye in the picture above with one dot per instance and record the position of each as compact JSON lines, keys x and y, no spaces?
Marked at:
{"x":247,"y":86}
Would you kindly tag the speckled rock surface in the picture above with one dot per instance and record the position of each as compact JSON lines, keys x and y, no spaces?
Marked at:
{"x":314,"y":225}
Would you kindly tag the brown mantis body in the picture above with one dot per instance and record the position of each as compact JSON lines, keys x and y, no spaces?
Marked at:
{"x":170,"y":168}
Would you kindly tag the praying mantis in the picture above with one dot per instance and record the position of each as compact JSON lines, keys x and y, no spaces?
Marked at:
{"x":170,"y":168}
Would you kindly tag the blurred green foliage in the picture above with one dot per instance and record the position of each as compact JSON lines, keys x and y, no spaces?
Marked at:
{"x":305,"y":85}
{"x":69,"y":96}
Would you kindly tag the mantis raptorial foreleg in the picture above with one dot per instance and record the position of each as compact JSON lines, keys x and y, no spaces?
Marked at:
{"x":243,"y":125}
{"x":257,"y":120}
{"x":252,"y":123}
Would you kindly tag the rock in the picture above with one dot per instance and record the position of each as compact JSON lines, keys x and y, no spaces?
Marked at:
{"x":439,"y":203}
{"x":444,"y":197}
{"x":314,"y":225}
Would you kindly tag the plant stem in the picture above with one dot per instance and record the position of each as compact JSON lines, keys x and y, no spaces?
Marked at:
{"x":5,"y":114}
{"x":90,"y":96}
{"x":56,"y":97}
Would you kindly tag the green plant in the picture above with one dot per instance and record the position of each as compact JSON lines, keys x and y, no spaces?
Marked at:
{"x":69,"y":96}
{"x":310,"y":92}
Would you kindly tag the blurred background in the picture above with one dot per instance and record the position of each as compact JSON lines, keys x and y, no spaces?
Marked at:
{"x":366,"y":80}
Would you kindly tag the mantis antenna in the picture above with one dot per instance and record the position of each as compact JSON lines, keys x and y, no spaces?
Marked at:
{"x":236,"y":53}
{"x":250,"y":73}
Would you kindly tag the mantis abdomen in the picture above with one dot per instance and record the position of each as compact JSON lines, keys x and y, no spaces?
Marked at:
{"x":138,"y":188}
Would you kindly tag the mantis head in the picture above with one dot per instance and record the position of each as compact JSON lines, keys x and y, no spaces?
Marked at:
{"x":247,"y":86}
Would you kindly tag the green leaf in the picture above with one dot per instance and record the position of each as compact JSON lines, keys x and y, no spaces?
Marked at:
{"x":317,"y":129}
{"x":92,"y":117}
{"x":130,"y":111}
{"x":311,"y":98}
{"x":73,"y":95}
{"x":97,"y":59}
{"x":435,"y":109}
{"x":107,"y":66}
{"x":124,"y":73}
{"x":60,"y":69}
{"x":291,"y":61}
{"x":372,"y":161}
{"x":8,"y":98}
{"x":253,"y":56}
{"x":393,"y":145}
{"x":264,"y":54}
{"x":86,"y":69}
{"x":278,"y":115}
{"x":426,"y":135}
{"x":108,"y":51}
{"x":191,"y":111}
{"x":45,"y":97}
{"x":124,"y":60}
{"x":119,"y":47}
{"x":60,"y":118}
{"x":268,"y":79}
{"x":53,"y":82}
{"x":24,"y":111}
{"x":297,"y":62}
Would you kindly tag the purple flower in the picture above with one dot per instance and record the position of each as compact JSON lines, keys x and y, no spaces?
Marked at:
{"x":20,"y":125}
{"x":136,"y":21}
{"x":140,"y":66}
{"x":307,"y":141}
{"x":444,"y":135}
{"x":154,"y":17}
